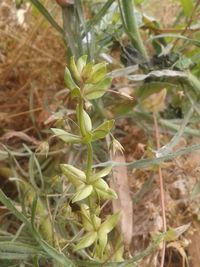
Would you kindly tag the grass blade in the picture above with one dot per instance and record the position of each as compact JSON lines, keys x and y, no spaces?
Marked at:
{"x":99,"y":15}
{"x":144,"y":163}
{"x":52,"y":252}
{"x":47,"y":15}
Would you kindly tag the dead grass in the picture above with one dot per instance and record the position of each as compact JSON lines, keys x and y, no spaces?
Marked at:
{"x":32,"y":57}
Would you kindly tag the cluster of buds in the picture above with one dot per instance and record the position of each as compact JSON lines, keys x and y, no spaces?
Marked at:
{"x":89,"y":81}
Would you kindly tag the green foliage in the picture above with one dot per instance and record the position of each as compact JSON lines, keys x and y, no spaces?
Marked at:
{"x":187,"y":6}
{"x":90,"y":81}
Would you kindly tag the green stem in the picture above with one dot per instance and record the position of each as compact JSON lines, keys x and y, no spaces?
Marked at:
{"x":80,"y":116}
{"x":89,"y":160}
{"x":131,"y":25}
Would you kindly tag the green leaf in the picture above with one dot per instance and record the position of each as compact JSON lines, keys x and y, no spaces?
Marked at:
{"x":67,"y":137}
{"x":52,"y":252}
{"x":102,"y":130}
{"x":97,"y":90}
{"x":13,"y":256}
{"x":102,"y":173}
{"x":103,"y":240}
{"x":86,"y":241}
{"x":87,"y":224}
{"x":174,"y":233}
{"x":87,"y":70}
{"x":74,"y":69}
{"x":33,"y":209}
{"x":177,"y":36}
{"x":71,"y":85}
{"x":75,"y":176}
{"x":109,"y":224}
{"x":86,"y":220}
{"x":84,"y":119}
{"x":87,"y":122}
{"x":97,"y":221}
{"x":82,"y":193}
{"x":170,"y":235}
{"x":81,"y":63}
{"x":108,"y":194}
{"x":187,"y":6}
{"x":103,"y":190}
{"x":18,"y":247}
{"x":98,"y":73}
{"x":101,"y":184}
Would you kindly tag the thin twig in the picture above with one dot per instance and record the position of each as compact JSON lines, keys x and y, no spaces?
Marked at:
{"x":24,"y":112}
{"x":162,"y":193}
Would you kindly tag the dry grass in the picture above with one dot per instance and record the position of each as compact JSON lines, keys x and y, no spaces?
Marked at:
{"x":32,"y":57}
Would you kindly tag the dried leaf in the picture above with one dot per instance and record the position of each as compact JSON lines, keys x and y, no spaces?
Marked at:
{"x":178,"y":246}
{"x":193,"y":248}
{"x":155,"y":102}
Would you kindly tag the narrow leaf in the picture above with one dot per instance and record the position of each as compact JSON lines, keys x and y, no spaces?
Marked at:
{"x":103,"y":173}
{"x":59,"y":257}
{"x":98,"y":73}
{"x":75,"y":176}
{"x":82,"y":193}
{"x":110,"y":223}
{"x":71,"y":85}
{"x":102,"y":130}
{"x":81,"y":63}
{"x":74,"y":69}
{"x":66,"y":137}
{"x":97,"y":90}
{"x":87,"y":240}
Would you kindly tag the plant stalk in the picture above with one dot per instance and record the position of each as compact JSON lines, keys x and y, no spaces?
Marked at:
{"x":89,"y":160}
{"x":162,"y":192}
{"x":131,"y":26}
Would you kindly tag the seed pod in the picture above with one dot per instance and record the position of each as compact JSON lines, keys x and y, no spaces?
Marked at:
{"x":65,"y":3}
